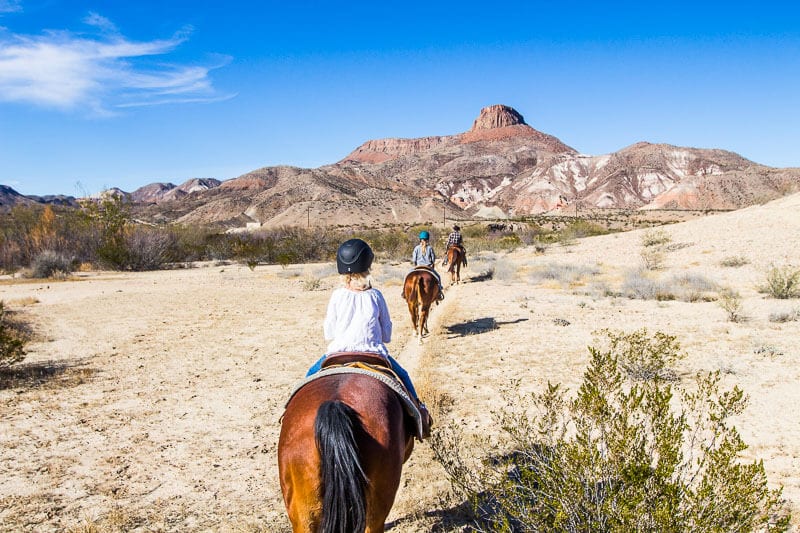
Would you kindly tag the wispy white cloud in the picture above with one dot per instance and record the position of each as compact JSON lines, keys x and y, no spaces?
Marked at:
{"x":99,"y":21}
{"x":64,"y":70}
{"x":10,"y":6}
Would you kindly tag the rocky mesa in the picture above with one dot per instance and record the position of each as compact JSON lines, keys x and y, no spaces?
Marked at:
{"x":500,"y":167}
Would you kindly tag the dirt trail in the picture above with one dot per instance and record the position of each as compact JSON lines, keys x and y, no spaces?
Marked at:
{"x":422,"y":478}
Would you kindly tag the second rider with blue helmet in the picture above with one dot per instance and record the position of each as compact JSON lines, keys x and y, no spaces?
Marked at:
{"x":423,"y":255}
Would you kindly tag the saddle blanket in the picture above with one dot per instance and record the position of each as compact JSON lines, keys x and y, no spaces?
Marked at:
{"x":356,"y":368}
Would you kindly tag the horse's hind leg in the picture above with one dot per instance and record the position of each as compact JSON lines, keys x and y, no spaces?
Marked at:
{"x":412,"y":309}
{"x":423,"y":321}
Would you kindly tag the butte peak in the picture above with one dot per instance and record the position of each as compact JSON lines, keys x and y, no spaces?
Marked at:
{"x":497,"y":116}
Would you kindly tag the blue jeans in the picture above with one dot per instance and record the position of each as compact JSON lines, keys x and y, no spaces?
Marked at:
{"x":399,"y":370}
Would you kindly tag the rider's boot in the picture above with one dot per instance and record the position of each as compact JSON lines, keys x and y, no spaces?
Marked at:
{"x":426,"y":419}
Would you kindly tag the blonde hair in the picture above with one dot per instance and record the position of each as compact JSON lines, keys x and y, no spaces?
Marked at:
{"x":423,"y":245}
{"x":358,"y":280}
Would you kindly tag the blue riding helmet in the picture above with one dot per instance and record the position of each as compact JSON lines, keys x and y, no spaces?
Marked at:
{"x":424,"y":235}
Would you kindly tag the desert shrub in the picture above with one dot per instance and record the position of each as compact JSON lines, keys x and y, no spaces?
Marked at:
{"x":220,"y":247}
{"x":653,"y":258}
{"x":691,"y":287}
{"x":616,"y":457}
{"x":390,"y":245}
{"x":642,"y":356}
{"x":504,"y":270}
{"x":194,"y":243}
{"x":734,"y":261}
{"x":654,"y":247}
{"x":13,"y":337}
{"x":655,"y":238}
{"x":564,"y":273}
{"x":785,"y":316}
{"x":580,"y":228}
{"x":539,"y":245}
{"x":149,"y":248}
{"x":731,"y":302}
{"x":639,"y":286}
{"x":687,"y":287}
{"x":48,"y":264}
{"x":532,"y":235}
{"x":253,"y":248}
{"x":311,"y":284}
{"x":16,"y":246}
{"x":782,"y":282}
{"x":475,"y":231}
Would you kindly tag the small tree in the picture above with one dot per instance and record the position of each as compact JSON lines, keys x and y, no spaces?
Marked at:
{"x":731,"y":302}
{"x":112,"y":216}
{"x":617,"y":458}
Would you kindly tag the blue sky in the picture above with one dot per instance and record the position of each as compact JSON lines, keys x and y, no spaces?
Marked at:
{"x":112,"y":93}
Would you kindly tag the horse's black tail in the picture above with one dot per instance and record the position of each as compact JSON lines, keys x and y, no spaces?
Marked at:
{"x":343,"y":479}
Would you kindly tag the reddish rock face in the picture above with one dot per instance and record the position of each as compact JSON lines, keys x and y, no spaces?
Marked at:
{"x":500,"y":166}
{"x":497,"y":116}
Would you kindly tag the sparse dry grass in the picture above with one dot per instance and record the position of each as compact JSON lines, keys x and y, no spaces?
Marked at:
{"x":23,"y":302}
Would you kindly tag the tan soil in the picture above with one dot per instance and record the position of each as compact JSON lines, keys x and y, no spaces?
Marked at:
{"x":153,"y":400}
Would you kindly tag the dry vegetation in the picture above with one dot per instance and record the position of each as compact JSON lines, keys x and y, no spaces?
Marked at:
{"x":151,"y":401}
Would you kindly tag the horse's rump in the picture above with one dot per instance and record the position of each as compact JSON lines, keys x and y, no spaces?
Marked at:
{"x":342,"y":433}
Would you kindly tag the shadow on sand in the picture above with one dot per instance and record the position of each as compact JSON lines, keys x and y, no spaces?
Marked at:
{"x":478,"y":326}
{"x":47,"y":374}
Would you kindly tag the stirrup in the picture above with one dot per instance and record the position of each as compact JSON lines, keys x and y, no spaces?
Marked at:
{"x":426,"y":419}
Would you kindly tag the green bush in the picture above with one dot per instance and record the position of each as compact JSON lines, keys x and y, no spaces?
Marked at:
{"x":642,"y":356}
{"x":782,"y":282}
{"x":617,"y":457}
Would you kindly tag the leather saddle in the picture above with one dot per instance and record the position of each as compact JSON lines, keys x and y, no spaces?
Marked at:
{"x":346,"y":358}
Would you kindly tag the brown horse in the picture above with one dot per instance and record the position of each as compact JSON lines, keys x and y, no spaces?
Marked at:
{"x":455,"y":256}
{"x":420,"y":290}
{"x":343,"y":442}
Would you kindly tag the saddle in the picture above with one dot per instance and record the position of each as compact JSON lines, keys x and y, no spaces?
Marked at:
{"x":430,"y":269}
{"x":463,"y":253}
{"x":345,"y":358}
{"x":378,"y":367}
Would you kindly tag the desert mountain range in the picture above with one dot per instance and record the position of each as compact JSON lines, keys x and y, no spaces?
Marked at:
{"x":500,"y":167}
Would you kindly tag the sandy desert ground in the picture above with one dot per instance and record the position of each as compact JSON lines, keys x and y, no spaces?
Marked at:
{"x":151,"y":401}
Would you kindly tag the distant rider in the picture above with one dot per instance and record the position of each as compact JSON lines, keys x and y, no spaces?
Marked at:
{"x":455,"y":239}
{"x":423,"y":255}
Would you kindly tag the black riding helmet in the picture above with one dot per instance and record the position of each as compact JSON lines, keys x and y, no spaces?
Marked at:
{"x":354,"y":256}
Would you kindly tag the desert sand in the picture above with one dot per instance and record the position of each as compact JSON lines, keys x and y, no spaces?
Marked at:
{"x":152,"y":401}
